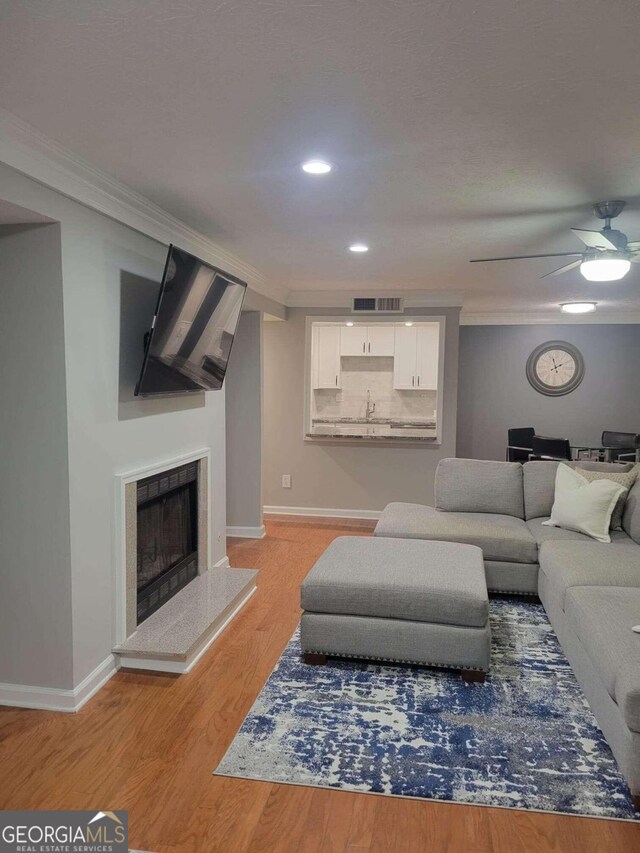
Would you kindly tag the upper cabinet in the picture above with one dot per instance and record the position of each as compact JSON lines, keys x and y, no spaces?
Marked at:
{"x":325,"y":357}
{"x":415,"y":363}
{"x":367,"y":340}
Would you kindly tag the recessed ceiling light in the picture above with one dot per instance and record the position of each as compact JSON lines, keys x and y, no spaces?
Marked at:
{"x":349,"y":323}
{"x":408,"y":323}
{"x":316,"y":167}
{"x":578,"y":307}
{"x":358,"y":247}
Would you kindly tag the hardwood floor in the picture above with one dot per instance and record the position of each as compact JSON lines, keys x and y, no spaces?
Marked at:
{"x":148,"y":743}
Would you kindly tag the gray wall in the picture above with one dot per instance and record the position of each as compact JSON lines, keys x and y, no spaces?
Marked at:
{"x":347,"y":476}
{"x":106,"y":268}
{"x":494,"y":393}
{"x":243,"y":385}
{"x":35,"y":566}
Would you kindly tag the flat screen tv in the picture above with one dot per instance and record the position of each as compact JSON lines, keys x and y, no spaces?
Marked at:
{"x":196,"y":317}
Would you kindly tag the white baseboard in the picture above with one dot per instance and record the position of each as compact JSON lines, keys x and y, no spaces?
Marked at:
{"x":182,"y":667}
{"x":246,"y":532}
{"x":223,"y":563}
{"x":54,"y":699}
{"x":324,"y":512}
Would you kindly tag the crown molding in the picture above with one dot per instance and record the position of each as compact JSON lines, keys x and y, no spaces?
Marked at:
{"x":547,"y":318}
{"x":27,"y":150}
{"x":343,"y":298}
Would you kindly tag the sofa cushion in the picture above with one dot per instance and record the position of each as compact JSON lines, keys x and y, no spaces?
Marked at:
{"x":553,"y":534}
{"x":539,"y":482}
{"x":631,"y":514}
{"x":566,"y":564}
{"x":475,"y":485}
{"x":438,"y":582}
{"x":602,"y":619}
{"x":501,"y":537}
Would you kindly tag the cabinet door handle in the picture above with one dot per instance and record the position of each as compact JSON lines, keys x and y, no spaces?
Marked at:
{"x":418,"y":381}
{"x":369,"y":347}
{"x":364,"y":345}
{"x":336,"y":378}
{"x":413,"y":380}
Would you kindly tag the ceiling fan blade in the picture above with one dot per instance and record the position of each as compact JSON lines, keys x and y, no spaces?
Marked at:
{"x":565,"y":268}
{"x":527,"y":257}
{"x":633,"y":247}
{"x":594,"y":239}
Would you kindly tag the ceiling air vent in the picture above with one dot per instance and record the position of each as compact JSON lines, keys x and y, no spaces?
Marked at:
{"x":370,"y":305}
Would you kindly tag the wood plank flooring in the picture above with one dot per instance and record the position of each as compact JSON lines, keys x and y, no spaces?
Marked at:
{"x":148,"y":743}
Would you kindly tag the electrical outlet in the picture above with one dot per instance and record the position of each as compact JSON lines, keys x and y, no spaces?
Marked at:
{"x":286,"y":481}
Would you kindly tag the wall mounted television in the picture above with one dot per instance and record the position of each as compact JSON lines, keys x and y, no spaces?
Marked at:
{"x":188,"y":346}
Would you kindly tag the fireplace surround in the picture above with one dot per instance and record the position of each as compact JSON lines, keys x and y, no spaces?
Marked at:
{"x":164,"y":536}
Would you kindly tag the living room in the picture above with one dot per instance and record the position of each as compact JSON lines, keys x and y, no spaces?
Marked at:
{"x":241,"y":335}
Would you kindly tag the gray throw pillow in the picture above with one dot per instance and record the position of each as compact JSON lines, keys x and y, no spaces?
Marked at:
{"x":627,"y":480}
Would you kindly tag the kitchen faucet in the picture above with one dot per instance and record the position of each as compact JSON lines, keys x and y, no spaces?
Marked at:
{"x":371,"y":407}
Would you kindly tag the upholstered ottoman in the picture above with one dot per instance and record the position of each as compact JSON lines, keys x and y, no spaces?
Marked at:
{"x":405,"y":600}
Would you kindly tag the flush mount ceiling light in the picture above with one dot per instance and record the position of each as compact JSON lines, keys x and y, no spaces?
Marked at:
{"x":349,"y":323}
{"x":358,"y":247}
{"x":316,"y":167}
{"x":578,"y":307}
{"x":607,"y":266}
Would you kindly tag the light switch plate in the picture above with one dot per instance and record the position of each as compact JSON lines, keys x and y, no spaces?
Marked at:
{"x":286,"y":481}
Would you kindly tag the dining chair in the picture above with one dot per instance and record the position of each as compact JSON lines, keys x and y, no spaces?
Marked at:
{"x":519,"y":443}
{"x":545,"y":447}
{"x":621,"y":445}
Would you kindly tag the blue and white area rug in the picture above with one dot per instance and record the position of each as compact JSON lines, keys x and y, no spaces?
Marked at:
{"x":524,"y":739}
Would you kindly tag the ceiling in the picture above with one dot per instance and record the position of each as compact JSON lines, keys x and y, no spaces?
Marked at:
{"x":456,"y":130}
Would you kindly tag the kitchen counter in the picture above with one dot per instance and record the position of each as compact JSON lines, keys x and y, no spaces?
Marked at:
{"x":375,"y":428}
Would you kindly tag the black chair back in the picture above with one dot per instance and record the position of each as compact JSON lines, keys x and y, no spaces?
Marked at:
{"x":551,"y":448}
{"x":519,"y":443}
{"x":625,"y":443}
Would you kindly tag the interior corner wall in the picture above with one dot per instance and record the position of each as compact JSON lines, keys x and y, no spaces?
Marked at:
{"x":346,"y":476}
{"x":244,"y":425}
{"x":35,"y":604}
{"x":494,"y":393}
{"x":110,"y":280}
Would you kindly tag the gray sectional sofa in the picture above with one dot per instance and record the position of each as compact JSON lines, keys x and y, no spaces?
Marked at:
{"x":590,"y":590}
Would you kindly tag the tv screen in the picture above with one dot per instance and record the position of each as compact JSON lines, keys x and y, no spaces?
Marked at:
{"x":193,"y":328}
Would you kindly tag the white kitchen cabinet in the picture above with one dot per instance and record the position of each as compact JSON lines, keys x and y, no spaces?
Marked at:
{"x":353,"y":340}
{"x":415,"y":362}
{"x":367,"y":340}
{"x":325,"y":355}
{"x":427,"y":353}
{"x":404,"y":358}
{"x":381,"y":340}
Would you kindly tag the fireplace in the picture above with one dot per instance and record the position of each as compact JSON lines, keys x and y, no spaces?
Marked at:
{"x":167,"y":536}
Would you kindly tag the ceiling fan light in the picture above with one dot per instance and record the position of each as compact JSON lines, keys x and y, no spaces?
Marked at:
{"x":605,"y":269}
{"x":578,"y":307}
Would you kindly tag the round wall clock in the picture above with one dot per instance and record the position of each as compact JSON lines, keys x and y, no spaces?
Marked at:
{"x":555,"y":368}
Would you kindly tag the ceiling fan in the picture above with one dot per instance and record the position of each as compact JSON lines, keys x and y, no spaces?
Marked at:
{"x":608,"y":255}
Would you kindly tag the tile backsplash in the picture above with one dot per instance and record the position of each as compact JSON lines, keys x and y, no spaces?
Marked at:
{"x":361,"y":374}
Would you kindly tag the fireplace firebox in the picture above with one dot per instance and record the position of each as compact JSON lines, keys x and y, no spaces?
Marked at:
{"x":167,"y":536}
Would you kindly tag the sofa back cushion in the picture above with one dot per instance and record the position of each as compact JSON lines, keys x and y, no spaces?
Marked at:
{"x":540,"y":482}
{"x":475,"y":485}
{"x":631,"y":515}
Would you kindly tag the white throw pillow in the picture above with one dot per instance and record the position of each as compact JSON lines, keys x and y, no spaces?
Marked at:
{"x":582,"y":505}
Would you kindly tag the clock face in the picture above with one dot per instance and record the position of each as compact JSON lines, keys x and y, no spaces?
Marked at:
{"x":555,"y":368}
